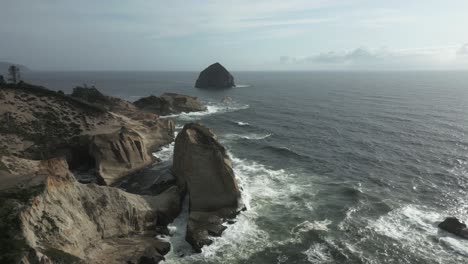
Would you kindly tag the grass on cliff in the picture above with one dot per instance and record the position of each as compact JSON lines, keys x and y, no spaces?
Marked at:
{"x":41,"y":91}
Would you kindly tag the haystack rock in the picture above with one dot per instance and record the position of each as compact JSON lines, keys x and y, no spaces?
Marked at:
{"x":215,"y":77}
{"x":203,"y":169}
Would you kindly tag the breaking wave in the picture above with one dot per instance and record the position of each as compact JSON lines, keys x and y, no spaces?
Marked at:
{"x":247,"y":136}
{"x":261,"y":187}
{"x":240,"y":123}
{"x":415,"y":228}
{"x":211,"y":109}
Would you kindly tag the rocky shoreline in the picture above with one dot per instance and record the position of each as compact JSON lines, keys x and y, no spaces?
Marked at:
{"x":50,"y":213}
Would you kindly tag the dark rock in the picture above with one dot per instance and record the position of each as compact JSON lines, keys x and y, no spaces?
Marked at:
{"x":183,"y":103}
{"x":170,"y":103}
{"x":162,"y":247}
{"x":91,"y":95}
{"x":150,"y":256}
{"x":203,"y":168}
{"x":153,"y":104}
{"x":454,"y":226}
{"x":215,"y":76}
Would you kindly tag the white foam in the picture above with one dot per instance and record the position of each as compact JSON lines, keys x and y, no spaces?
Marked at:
{"x":240,"y":123}
{"x":211,"y":108}
{"x":251,"y":136}
{"x":415,"y":227}
{"x":261,"y":187}
{"x":166,"y":152}
{"x":308,"y":226}
{"x":177,"y":229}
{"x":318,"y":253}
{"x":243,"y":85}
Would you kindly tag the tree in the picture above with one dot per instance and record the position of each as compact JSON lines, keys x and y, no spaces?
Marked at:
{"x":14,"y":73}
{"x":2,"y":81}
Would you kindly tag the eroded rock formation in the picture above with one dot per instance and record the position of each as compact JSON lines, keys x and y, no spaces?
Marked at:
{"x":48,"y":216}
{"x":37,"y":123}
{"x":203,"y":169}
{"x":215,"y":76}
{"x":170,"y":103}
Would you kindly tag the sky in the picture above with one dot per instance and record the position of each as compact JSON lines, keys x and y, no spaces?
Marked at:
{"x":258,"y":35}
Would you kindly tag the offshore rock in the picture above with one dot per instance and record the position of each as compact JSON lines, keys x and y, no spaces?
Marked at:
{"x":215,"y":77}
{"x":454,"y":226}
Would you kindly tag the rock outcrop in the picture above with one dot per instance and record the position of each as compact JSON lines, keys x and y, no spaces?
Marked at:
{"x":216,"y":77}
{"x":170,"y":103}
{"x":37,"y":123}
{"x":117,"y":105}
{"x":48,"y":217}
{"x":454,"y":226}
{"x":203,"y":169}
{"x":119,"y":153}
{"x":90,"y":94}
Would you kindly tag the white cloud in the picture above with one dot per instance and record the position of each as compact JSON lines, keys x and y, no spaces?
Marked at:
{"x":444,"y":57}
{"x":463,"y":51}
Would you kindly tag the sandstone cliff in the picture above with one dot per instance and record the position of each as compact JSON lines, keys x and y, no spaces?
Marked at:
{"x":48,"y":216}
{"x":37,"y":123}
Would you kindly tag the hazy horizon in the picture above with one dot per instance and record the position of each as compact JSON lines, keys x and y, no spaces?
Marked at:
{"x":296,"y":35}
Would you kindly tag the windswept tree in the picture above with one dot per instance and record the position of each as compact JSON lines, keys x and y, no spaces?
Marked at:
{"x":14,"y":74}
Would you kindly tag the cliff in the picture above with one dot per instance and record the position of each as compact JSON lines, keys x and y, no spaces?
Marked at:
{"x":49,"y":217}
{"x":39,"y":124}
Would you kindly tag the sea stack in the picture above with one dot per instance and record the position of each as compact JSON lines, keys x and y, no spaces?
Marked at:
{"x":203,"y":169}
{"x":215,"y":77}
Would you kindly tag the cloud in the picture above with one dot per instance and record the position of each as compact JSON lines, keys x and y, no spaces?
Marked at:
{"x":360,"y":54}
{"x":463,"y":51}
{"x":364,"y":58}
{"x":284,"y":59}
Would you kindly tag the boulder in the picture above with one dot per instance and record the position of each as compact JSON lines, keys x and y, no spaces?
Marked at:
{"x":170,"y":103}
{"x":454,"y":226}
{"x":216,"y":77}
{"x":203,"y":169}
{"x":45,"y":214}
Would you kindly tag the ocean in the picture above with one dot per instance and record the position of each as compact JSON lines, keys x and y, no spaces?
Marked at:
{"x":335,"y":167}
